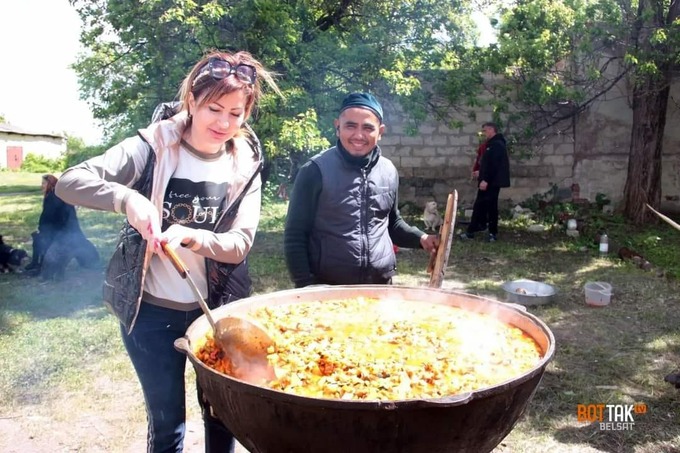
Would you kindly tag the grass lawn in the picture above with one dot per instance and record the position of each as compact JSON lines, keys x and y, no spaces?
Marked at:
{"x":14,"y":181}
{"x":66,"y":383}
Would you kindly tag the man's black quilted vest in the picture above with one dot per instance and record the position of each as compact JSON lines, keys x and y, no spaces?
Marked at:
{"x":350,"y":242}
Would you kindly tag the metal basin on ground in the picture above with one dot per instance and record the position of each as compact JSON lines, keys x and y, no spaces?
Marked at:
{"x":529,"y":292}
{"x":270,"y":421}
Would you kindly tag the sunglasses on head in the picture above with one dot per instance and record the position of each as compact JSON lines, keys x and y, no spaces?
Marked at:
{"x":220,"y":69}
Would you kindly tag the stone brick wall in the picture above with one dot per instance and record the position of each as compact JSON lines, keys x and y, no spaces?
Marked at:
{"x":438,"y":159}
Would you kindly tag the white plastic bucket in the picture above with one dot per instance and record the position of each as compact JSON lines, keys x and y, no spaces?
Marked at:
{"x":598,"y":294}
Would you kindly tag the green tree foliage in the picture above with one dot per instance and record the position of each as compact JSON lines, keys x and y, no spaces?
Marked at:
{"x":77,"y":151}
{"x":298,"y":140}
{"x":554,"y":58}
{"x":551,"y":61}
{"x":74,"y":144}
{"x":138,"y":53}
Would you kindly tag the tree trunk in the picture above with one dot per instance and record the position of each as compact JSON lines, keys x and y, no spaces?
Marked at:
{"x":643,"y":184}
{"x":650,"y":103}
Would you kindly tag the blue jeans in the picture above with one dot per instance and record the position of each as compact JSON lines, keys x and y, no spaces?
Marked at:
{"x":160,"y":369}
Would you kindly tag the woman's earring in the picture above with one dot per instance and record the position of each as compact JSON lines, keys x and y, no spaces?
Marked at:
{"x":190,"y":115}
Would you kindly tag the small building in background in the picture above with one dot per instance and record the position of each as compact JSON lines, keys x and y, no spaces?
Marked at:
{"x":16,"y":143}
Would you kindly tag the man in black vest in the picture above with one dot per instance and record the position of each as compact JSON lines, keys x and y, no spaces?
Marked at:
{"x":343,"y":220}
{"x":494,"y":174}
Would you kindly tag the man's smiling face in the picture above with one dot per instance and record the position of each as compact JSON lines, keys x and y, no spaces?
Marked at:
{"x":359,"y":130}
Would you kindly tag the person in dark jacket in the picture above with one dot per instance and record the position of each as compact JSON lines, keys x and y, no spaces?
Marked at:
{"x":494,"y":174}
{"x":191,"y":182}
{"x":343,"y":220}
{"x":59,"y":238}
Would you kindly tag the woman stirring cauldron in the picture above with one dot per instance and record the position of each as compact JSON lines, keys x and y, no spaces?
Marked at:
{"x":191,"y":181}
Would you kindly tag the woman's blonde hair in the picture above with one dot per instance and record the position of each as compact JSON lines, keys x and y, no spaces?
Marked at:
{"x":208,"y":89}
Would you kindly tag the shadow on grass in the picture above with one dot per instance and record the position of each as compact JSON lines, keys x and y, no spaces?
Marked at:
{"x":653,"y":432}
{"x":49,"y":331}
{"x":12,"y":190}
{"x":76,"y":295}
{"x":552,"y":414}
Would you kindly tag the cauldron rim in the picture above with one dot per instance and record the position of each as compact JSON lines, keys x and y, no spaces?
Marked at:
{"x":184,"y":344}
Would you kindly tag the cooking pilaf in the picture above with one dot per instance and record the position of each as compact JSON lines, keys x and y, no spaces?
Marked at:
{"x":385,"y":349}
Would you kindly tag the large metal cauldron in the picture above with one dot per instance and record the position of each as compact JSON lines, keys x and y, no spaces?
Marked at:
{"x":269,"y":421}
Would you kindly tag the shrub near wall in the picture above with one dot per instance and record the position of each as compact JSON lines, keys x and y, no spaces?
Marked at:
{"x":34,"y":163}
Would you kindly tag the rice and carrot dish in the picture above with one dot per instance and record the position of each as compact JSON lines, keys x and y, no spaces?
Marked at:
{"x":385,"y":349}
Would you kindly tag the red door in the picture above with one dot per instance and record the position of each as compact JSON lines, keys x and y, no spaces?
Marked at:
{"x":15,"y":157}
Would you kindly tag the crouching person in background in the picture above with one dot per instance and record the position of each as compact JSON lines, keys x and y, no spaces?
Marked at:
{"x":59,"y":238}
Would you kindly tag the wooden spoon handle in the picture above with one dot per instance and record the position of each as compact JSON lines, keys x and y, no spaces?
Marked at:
{"x":175,"y":260}
{"x":183,"y":271}
{"x":446,"y":236}
{"x":430,"y":265}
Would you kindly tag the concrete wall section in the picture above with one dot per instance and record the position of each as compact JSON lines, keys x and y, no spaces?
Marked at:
{"x":439,"y":159}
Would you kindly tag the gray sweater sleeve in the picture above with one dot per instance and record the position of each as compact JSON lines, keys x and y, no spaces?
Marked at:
{"x":103,"y":182}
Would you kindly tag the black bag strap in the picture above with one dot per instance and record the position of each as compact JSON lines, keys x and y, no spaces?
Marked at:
{"x":165,"y":110}
{"x":145,"y":182}
{"x":254,"y":142}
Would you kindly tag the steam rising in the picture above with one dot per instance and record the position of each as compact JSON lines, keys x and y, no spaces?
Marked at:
{"x":387,"y":348}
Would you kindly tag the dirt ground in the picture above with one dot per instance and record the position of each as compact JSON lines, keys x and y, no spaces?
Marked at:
{"x":117,"y":424}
